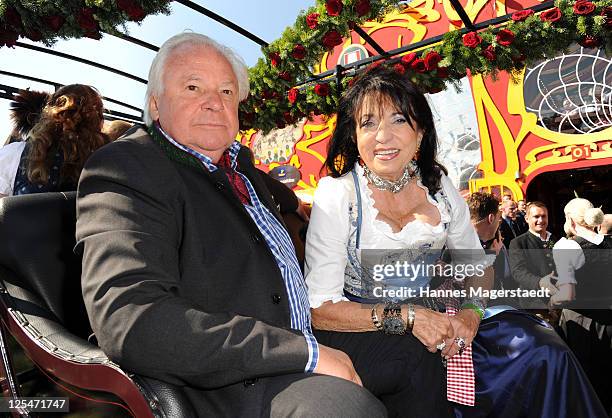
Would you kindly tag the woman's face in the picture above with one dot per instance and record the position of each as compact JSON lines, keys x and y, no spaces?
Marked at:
{"x":385,"y":140}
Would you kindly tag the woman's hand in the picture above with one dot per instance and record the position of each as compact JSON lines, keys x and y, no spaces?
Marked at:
{"x":431,"y":328}
{"x":465,"y":325}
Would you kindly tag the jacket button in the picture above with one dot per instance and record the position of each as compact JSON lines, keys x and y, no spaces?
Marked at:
{"x":250,"y":382}
{"x":219,"y":186}
{"x":276,"y":298}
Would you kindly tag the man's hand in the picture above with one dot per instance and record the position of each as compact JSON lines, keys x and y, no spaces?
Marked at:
{"x":431,"y":328}
{"x":546,"y":283}
{"x":336,"y":363}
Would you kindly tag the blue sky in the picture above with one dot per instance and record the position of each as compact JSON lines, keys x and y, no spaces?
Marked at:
{"x":265,"y":18}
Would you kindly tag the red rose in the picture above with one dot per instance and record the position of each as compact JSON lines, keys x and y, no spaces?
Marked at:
{"x":132,"y":9}
{"x":267,"y":95}
{"x":551,"y":15}
{"x":288,"y":118}
{"x":363,"y":7}
{"x":431,"y":60}
{"x":292,"y":95}
{"x":86,"y":20}
{"x":607,"y":14}
{"x":399,"y":68}
{"x":351,"y":82}
{"x":12,"y":17}
{"x":518,"y":60}
{"x":34,"y":35}
{"x":299,"y":52}
{"x":322,"y":89}
{"x":590,"y":41}
{"x":275,"y":59}
{"x":489,"y":53}
{"x":54,"y":22}
{"x":312,"y":20}
{"x":442,"y":72}
{"x":331,"y":39}
{"x":285,"y":75}
{"x":94,"y":35}
{"x":505,"y":37}
{"x":435,"y":89}
{"x":408,"y":58}
{"x":334,"y":7}
{"x":418,"y":65}
{"x":584,"y":7}
{"x":521,"y":15}
{"x":471,"y":40}
{"x":8,"y":37}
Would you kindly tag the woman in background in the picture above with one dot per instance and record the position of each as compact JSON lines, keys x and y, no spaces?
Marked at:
{"x":52,"y":157}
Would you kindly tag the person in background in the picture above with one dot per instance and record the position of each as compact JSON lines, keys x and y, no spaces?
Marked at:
{"x":512,"y":225}
{"x":521,"y":207}
{"x":530,"y":254}
{"x":51,"y":159}
{"x":116,"y":128}
{"x":606,"y":226}
{"x":584,"y":262}
{"x":25,"y":110}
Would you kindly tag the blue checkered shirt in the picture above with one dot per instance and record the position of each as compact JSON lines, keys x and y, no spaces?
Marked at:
{"x":280,"y":244}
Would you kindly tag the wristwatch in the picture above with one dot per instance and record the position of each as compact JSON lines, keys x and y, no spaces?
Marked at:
{"x":392,"y":321}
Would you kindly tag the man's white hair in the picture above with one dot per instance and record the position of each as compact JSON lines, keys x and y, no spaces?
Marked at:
{"x":184,"y":40}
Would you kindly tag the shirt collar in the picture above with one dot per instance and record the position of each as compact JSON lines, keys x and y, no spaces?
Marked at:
{"x":548,"y":234}
{"x":233,"y":150}
{"x":592,"y":237}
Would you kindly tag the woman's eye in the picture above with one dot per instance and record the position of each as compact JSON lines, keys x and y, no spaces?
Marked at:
{"x":367,"y":124}
{"x":400,"y":120}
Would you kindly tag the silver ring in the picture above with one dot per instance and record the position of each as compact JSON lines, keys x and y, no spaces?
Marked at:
{"x":441,"y":345}
{"x":461,"y":343}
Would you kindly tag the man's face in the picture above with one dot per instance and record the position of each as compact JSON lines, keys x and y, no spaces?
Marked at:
{"x":537,"y":219}
{"x":198,"y":106}
{"x":509,"y":209}
{"x":521,"y":205}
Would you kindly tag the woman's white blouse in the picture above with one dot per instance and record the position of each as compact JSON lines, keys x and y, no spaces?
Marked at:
{"x":328,"y":232}
{"x":569,"y":257}
{"x":10,"y":155}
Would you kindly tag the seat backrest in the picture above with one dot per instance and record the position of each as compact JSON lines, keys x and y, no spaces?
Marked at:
{"x":36,"y":245}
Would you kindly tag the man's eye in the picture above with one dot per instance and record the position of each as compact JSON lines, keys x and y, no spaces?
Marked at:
{"x":227,"y":91}
{"x":191,"y":87}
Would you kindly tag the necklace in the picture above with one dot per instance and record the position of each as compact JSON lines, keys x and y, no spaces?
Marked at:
{"x":388,"y":185}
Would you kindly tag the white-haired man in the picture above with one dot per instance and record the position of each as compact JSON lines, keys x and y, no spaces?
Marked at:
{"x":188,"y":273}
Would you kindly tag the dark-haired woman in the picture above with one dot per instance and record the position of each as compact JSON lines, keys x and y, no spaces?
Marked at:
{"x":387,"y":192}
{"x":51,"y":159}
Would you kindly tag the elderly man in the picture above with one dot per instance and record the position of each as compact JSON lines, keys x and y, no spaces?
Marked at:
{"x":512,"y":225}
{"x":188,"y":273}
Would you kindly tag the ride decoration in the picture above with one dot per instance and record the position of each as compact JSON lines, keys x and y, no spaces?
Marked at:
{"x":49,"y":20}
{"x":278,"y":97}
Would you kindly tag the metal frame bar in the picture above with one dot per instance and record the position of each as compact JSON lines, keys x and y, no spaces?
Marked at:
{"x":354,"y":66}
{"x":81,"y":60}
{"x":223,"y":21}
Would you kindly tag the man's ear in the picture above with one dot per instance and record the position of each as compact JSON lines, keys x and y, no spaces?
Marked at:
{"x":491,"y":218}
{"x":153,"y":108}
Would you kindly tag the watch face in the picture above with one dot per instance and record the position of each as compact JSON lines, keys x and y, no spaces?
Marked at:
{"x":394,"y":325}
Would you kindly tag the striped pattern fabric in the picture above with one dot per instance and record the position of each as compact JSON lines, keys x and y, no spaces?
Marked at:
{"x":280,"y":245}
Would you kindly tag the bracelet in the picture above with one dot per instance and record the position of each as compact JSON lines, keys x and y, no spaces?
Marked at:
{"x":411,"y":316}
{"x":475,"y":308}
{"x":375,"y":320}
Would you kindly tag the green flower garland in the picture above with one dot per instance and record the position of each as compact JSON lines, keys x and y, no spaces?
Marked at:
{"x":274,"y":102}
{"x":47,"y":21}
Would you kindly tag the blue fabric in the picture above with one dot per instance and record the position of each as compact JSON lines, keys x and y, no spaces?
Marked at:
{"x":524,"y":369}
{"x":280,"y":245}
{"x":23,"y":185}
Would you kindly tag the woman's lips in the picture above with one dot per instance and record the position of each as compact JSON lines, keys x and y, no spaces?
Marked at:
{"x":387,"y":154}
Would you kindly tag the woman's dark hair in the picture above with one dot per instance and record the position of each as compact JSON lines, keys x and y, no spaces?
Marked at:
{"x":71,"y":122}
{"x":384,"y":84}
